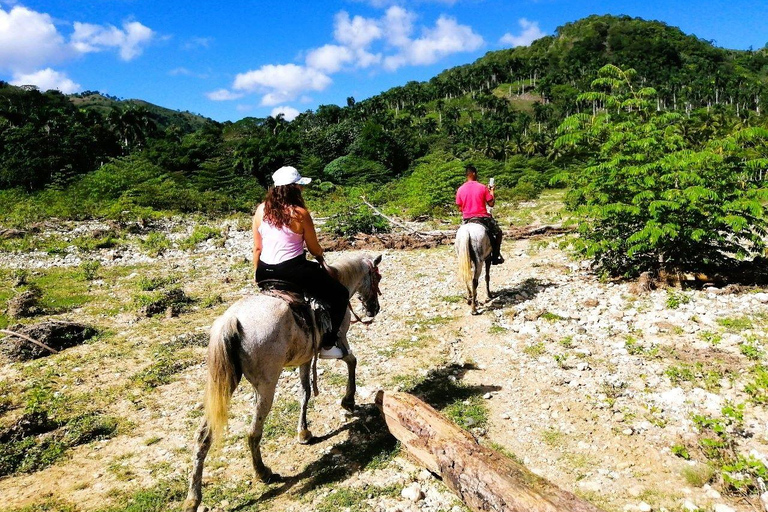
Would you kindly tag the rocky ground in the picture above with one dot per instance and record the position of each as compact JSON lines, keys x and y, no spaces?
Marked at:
{"x":606,"y":392}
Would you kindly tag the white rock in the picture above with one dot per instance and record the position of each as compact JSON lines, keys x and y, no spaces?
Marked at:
{"x":690,"y":506}
{"x":722,"y":507}
{"x":413,"y":492}
{"x":644,"y":507}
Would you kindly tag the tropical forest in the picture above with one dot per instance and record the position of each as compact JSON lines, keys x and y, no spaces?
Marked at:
{"x":620,"y":352}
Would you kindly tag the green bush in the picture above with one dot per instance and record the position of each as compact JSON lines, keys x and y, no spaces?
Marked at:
{"x":648,"y":198}
{"x":353,"y":170}
{"x":354,"y":219}
{"x":431,"y":187}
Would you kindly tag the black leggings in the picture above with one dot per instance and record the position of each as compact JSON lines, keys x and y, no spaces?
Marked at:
{"x":310,"y":276}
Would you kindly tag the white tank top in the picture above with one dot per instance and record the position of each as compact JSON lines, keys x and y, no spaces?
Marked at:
{"x":279,"y":245}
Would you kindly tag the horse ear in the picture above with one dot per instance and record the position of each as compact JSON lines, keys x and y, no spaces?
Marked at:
{"x":377,"y":260}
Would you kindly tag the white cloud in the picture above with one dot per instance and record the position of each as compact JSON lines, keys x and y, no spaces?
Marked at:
{"x":387,"y":42}
{"x":197,"y":42}
{"x":28,"y":40}
{"x":223,"y":95}
{"x":398,"y":26}
{"x":357,"y":32}
{"x":446,"y":38}
{"x":366,"y":59}
{"x":329,"y":58}
{"x":289,"y":113}
{"x":182,"y":71}
{"x":47,"y":79}
{"x":131,"y":40}
{"x":281,"y":83}
{"x":530,"y":33}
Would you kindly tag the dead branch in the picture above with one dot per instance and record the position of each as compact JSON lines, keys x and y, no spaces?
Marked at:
{"x":31,"y":340}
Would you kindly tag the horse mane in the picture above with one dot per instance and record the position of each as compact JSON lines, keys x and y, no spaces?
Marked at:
{"x":350,"y":268}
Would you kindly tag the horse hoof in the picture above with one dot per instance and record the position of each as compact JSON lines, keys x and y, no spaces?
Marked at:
{"x":305,"y":436}
{"x":273,"y":478}
{"x":268,"y":477}
{"x":190,"y":506}
{"x":348,"y":405}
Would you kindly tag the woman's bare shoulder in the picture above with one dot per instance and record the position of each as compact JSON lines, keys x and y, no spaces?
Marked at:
{"x":301,"y":213}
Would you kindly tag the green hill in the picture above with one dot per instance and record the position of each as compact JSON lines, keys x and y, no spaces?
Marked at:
{"x":407,"y":144}
{"x":164,"y":117}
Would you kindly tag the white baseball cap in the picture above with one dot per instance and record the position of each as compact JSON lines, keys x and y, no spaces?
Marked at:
{"x":288,"y":175}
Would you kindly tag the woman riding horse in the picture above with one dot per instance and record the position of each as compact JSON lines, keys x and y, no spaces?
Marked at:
{"x":282,"y":226}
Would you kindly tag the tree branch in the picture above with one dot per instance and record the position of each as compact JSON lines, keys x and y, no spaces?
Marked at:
{"x":31,"y":340}
{"x":393,"y":221}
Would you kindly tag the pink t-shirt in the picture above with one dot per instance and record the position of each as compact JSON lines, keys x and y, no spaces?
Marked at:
{"x":471,"y":198}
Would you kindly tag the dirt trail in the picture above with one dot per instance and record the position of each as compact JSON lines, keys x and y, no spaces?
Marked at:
{"x":547,"y":358}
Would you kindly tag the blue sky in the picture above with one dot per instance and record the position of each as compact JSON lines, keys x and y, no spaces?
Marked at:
{"x":232,"y":59}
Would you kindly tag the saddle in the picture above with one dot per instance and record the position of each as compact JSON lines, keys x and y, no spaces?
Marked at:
{"x":311,"y":314}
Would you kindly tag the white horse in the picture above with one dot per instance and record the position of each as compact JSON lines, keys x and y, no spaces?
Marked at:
{"x":473,"y":248}
{"x":257,"y":337}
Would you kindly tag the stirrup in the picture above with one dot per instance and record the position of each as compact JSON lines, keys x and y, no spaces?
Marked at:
{"x":330,"y":353}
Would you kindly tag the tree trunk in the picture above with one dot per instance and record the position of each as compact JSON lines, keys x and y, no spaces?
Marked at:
{"x":481,"y":477}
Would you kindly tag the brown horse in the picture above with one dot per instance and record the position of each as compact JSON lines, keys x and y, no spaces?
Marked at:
{"x":257,"y":337}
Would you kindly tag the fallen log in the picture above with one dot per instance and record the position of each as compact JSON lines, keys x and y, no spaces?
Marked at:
{"x":483,"y":479}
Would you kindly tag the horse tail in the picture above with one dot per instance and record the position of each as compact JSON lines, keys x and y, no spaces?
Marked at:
{"x":224,"y":371}
{"x":464,"y":252}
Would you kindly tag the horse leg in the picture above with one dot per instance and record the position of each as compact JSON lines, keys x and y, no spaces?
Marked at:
{"x":202,"y":445}
{"x":348,"y":402}
{"x":265,"y":394}
{"x":305,"y":436}
{"x":488,"y":278}
{"x":475,"y":281}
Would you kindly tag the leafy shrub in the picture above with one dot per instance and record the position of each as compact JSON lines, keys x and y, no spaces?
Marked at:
{"x":648,"y":198}
{"x":89,"y":268}
{"x":155,"y":243}
{"x":353,"y":170}
{"x":431,"y":187}
{"x":199,"y":234}
{"x":354,"y":219}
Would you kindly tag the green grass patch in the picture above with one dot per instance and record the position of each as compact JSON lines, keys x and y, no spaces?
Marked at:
{"x":552,"y":317}
{"x":713,"y":338}
{"x":159,"y":498}
{"x":635,"y":348}
{"x":167,"y":359}
{"x":282,"y":419}
{"x":757,"y":388}
{"x":751,"y":349}
{"x":676,"y":299}
{"x":424,"y":323}
{"x":200,"y":234}
{"x":155,"y":243}
{"x":38,"y":440}
{"x":698,"y":475}
{"x":452,"y":299}
{"x":471,"y":412}
{"x":356,"y":499}
{"x":735,"y":324}
{"x":496,"y":329}
{"x":535,"y":349}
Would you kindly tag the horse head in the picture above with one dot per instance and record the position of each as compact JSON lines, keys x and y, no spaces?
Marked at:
{"x":369,"y":291}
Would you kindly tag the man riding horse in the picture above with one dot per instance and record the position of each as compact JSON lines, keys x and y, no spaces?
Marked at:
{"x":472,"y":198}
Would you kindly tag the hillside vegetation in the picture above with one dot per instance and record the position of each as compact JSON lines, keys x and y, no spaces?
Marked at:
{"x":91,"y":157}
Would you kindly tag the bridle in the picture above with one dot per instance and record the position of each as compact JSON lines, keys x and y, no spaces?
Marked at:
{"x":375,"y":277}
